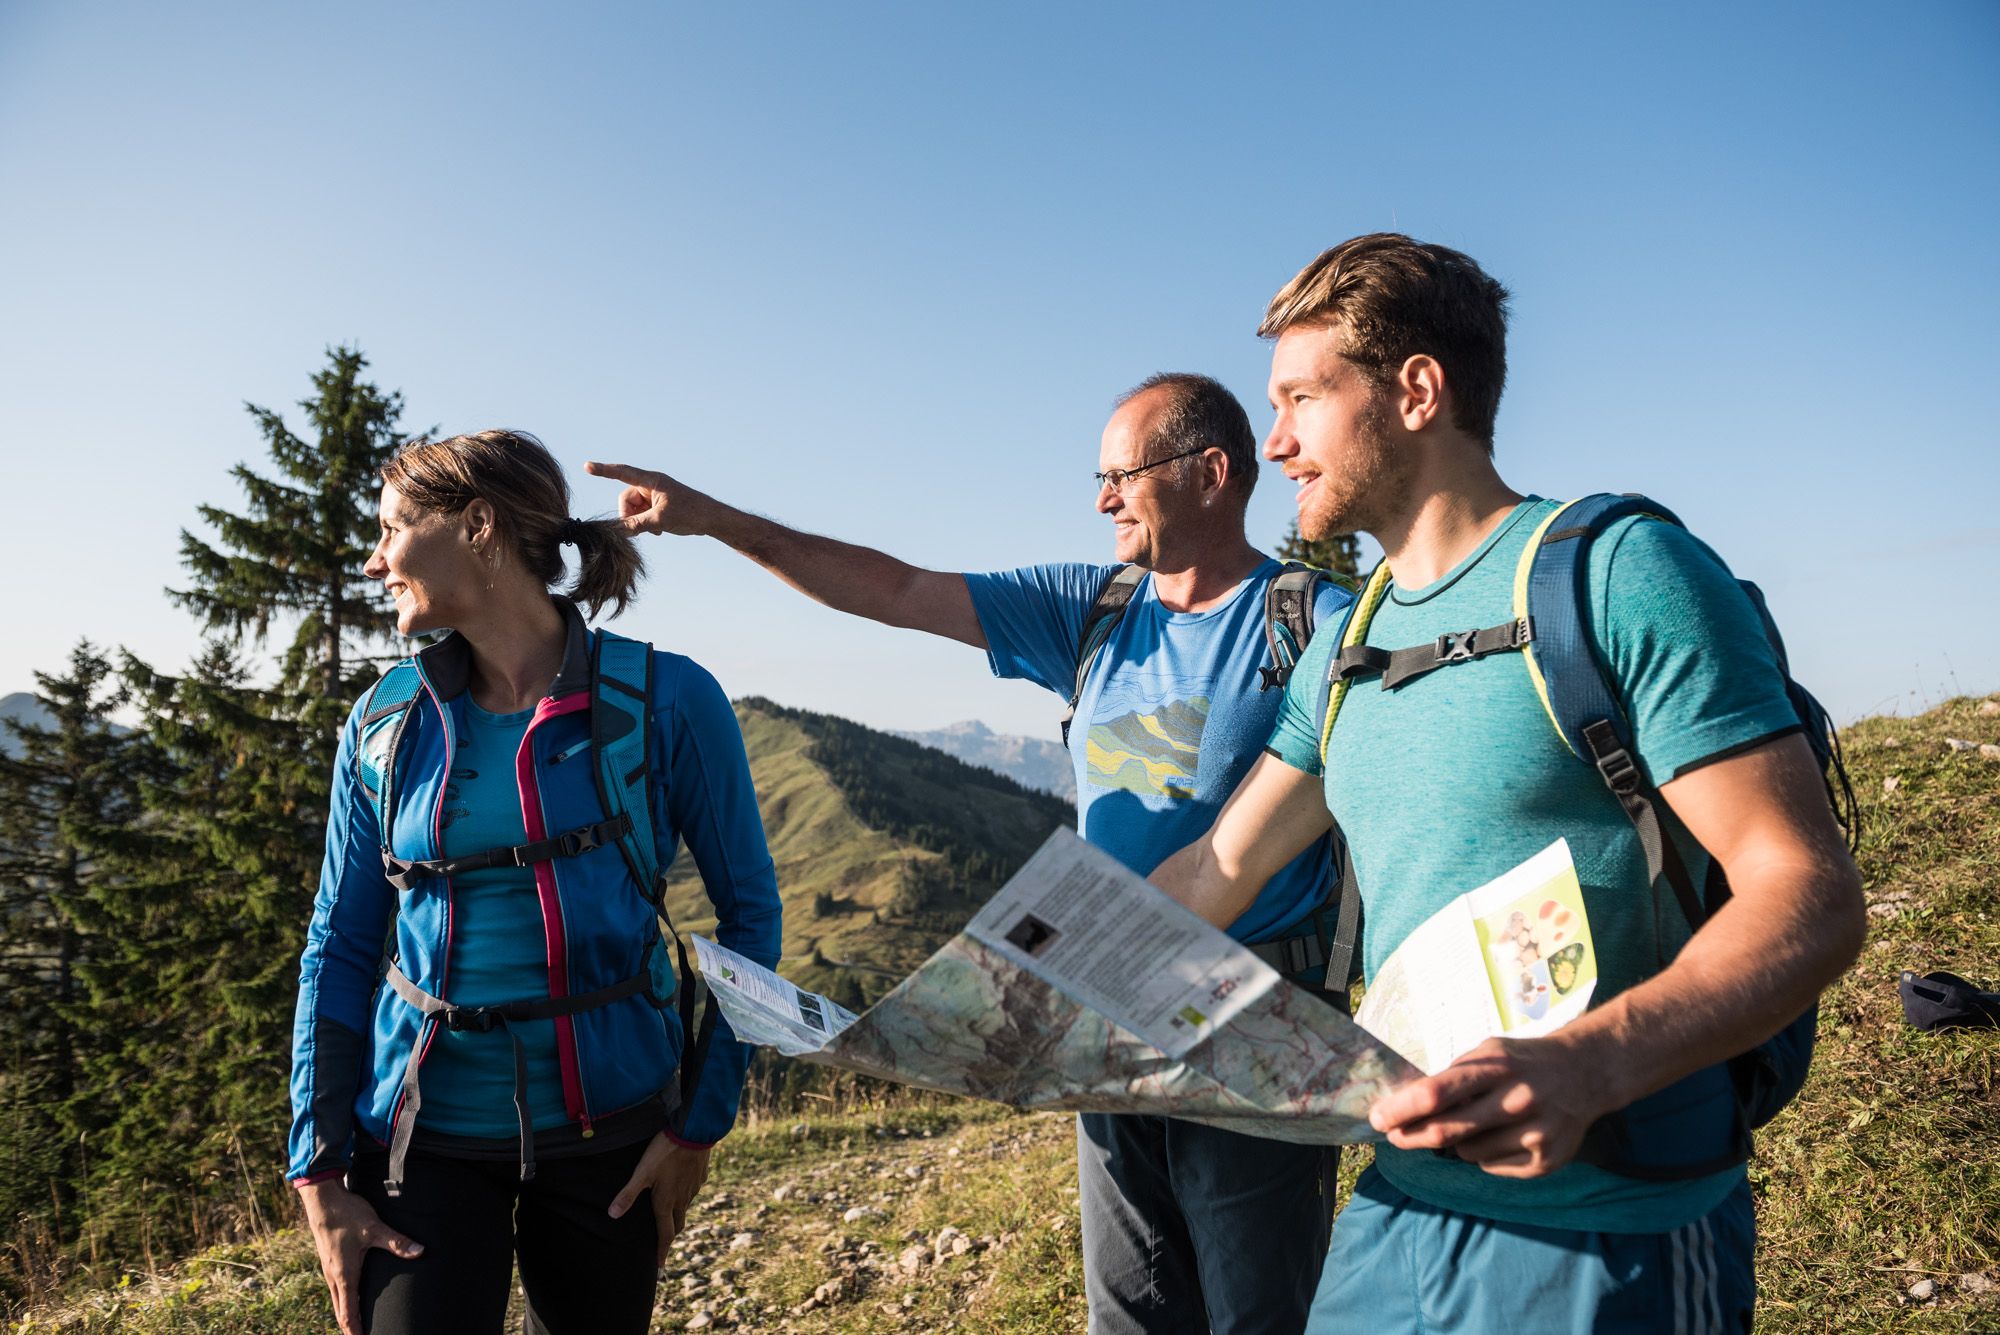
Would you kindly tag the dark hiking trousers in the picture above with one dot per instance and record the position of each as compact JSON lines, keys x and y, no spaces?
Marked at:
{"x":585,"y":1273}
{"x":1192,"y":1230}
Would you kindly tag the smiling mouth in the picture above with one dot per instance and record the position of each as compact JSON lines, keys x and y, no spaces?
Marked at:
{"x":1306,"y":481}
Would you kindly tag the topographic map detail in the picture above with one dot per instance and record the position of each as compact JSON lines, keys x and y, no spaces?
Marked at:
{"x":975,"y":1022}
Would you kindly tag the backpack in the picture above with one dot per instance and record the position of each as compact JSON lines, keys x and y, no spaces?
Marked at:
{"x":1330,"y":934}
{"x":1549,"y":628}
{"x":621,"y":721}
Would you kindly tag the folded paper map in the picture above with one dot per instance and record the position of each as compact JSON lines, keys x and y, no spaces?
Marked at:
{"x":1080,"y":987}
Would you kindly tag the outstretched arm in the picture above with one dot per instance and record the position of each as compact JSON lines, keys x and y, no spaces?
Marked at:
{"x":1274,"y":814}
{"x":1519,"y":1108}
{"x":848,"y":578}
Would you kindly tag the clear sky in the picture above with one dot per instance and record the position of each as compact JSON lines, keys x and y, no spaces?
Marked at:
{"x":879,"y":271}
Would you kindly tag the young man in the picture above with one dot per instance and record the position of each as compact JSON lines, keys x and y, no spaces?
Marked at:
{"x":1185,"y":1228}
{"x":1386,"y":377}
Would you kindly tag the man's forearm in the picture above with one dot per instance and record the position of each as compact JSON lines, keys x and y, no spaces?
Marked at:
{"x":847,"y":577}
{"x":1757,"y":963}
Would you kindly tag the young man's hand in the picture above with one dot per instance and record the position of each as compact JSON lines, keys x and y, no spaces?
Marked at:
{"x":1517,"y":1107}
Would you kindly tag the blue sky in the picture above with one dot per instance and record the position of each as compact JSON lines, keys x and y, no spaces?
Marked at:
{"x":879,"y":272}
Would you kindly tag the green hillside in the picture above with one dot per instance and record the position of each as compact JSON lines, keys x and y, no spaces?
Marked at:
{"x":883,"y":847}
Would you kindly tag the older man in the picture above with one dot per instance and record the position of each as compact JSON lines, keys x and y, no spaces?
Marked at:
{"x":1185,"y":1228}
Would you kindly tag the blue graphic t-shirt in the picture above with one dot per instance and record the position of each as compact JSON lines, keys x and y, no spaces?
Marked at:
{"x":499,"y":948}
{"x":1170,"y":719}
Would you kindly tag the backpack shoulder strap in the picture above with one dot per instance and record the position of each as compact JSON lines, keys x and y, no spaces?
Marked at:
{"x":1288,"y":618}
{"x":1098,"y":623}
{"x":1353,"y":636}
{"x":382,"y":722}
{"x":621,"y":716}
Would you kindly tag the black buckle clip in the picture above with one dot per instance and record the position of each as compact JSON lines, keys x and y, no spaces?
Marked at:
{"x":469,"y":1019}
{"x":1272,"y":676}
{"x":1620,"y":773}
{"x":1455,"y":646}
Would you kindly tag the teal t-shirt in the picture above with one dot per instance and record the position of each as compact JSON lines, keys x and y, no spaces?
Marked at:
{"x":1453,"y":778}
{"x":499,"y":948}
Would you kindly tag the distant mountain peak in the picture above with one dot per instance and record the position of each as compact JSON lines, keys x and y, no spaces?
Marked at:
{"x":1034,"y":762}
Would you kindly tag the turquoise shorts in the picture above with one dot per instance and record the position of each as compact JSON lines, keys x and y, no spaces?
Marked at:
{"x":1401,"y":1267}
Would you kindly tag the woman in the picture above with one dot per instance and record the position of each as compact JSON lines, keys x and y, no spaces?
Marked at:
{"x":513,"y":1088}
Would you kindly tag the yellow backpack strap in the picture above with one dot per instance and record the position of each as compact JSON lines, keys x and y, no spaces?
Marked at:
{"x":1356,"y":632}
{"x":1522,"y":570}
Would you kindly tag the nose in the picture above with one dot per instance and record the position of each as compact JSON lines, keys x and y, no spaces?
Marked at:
{"x":1108,"y":499}
{"x":377,"y":565}
{"x":1280,"y":444}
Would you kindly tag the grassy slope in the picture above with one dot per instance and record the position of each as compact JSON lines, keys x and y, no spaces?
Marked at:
{"x":862,"y":877}
{"x":1885,"y":1172}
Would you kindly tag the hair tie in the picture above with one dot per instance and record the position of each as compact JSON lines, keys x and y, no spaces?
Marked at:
{"x":573,"y":532}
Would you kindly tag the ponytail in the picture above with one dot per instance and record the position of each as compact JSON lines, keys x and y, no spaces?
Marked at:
{"x":609,"y":566}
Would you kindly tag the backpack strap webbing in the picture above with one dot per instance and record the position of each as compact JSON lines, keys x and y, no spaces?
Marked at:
{"x":404,"y":873}
{"x":1098,"y":624}
{"x":621,"y":703}
{"x":1354,"y":632}
{"x":484,"y":1019}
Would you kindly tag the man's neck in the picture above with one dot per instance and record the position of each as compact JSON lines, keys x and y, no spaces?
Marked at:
{"x":1457,"y":500}
{"x":1198,"y":582}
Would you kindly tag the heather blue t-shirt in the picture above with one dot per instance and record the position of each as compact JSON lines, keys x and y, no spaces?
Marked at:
{"x":1170,"y":718}
{"x":1457,"y":776}
{"x":499,"y":947}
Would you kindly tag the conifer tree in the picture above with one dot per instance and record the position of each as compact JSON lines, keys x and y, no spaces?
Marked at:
{"x":68,"y":783}
{"x":298,"y":546}
{"x":1338,"y":552}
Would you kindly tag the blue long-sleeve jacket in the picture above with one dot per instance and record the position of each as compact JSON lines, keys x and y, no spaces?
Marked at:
{"x":351,"y":1040}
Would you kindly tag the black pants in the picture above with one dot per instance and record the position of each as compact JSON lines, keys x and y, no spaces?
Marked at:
{"x":584,"y":1272}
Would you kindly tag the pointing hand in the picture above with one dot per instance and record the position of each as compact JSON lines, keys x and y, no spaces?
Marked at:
{"x":653,"y":502}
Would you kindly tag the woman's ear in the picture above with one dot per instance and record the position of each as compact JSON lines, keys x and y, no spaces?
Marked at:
{"x":477,"y":521}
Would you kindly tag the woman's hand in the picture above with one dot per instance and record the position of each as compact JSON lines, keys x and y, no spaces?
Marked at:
{"x":344,"y":1227}
{"x":673,"y":1173}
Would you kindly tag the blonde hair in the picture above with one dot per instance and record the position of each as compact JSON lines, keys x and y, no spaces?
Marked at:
{"x":515,"y":474}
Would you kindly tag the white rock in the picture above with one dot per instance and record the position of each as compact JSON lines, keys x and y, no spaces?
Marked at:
{"x":1960,"y":744}
{"x":914,"y":1171}
{"x":699,"y":1321}
{"x":1924,"y":1290}
{"x":951,"y":1153}
{"x":785,"y":1192}
{"x":1990,"y":751}
{"x":1891,"y":784}
{"x":743,"y":1242}
{"x":858,"y":1213}
{"x":1989,"y":706}
{"x":913,"y":1257}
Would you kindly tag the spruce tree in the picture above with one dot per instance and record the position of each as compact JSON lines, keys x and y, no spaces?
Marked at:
{"x":1338,"y":552}
{"x":298,"y":546}
{"x":67,"y":784}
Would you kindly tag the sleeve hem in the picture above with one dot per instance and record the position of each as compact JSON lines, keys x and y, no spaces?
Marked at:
{"x":323,"y":1175}
{"x":687,"y":1144}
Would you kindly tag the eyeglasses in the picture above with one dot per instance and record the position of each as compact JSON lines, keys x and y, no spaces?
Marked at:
{"x":1116,"y":478}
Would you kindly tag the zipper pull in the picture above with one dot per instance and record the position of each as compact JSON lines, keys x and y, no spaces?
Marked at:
{"x":567,"y":752}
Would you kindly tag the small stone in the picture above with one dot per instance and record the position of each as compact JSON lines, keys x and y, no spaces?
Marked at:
{"x":832,"y":1291}
{"x":1923,"y":1290}
{"x":1990,"y":752}
{"x":914,"y":1171}
{"x":1960,"y":744}
{"x":951,"y":1153}
{"x":1976,"y":1281}
{"x":857,"y":1213}
{"x":743,"y":1241}
{"x":911,"y":1260}
{"x":785,"y":1192}
{"x":699,"y":1321}
{"x":1989,"y":706}
{"x":1891,"y":784}
{"x":692,"y":1283}
{"x":800,"y":1131}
